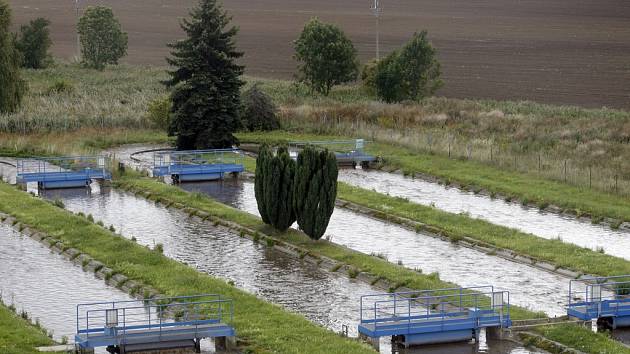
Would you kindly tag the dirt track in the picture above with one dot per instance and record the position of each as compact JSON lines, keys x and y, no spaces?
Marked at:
{"x":556,"y":51}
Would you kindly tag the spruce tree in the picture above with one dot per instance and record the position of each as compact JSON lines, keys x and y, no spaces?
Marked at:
{"x":206,"y":80}
{"x":12,"y":87}
{"x":315,"y":190}
{"x":274,"y":187}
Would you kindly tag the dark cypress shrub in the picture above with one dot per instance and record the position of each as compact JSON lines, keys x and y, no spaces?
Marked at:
{"x":264,"y":155}
{"x":315,"y":190}
{"x":274,"y":187}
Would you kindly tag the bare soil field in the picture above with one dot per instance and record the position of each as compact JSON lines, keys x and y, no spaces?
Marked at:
{"x":551,"y":51}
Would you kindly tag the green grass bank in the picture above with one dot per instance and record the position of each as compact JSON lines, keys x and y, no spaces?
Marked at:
{"x":382,"y":269}
{"x":18,"y":336}
{"x":528,"y":188}
{"x":265,"y":327}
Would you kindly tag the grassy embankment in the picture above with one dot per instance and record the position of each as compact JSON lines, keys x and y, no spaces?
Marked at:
{"x":458,"y":226}
{"x":18,"y":336}
{"x":71,"y":110}
{"x":570,"y":335}
{"x":265,"y":327}
{"x":582,"y":338}
{"x":528,"y":188}
{"x":382,"y":269}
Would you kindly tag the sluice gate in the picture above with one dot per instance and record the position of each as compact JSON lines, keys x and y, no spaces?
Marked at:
{"x":434,"y":316}
{"x":348,"y":152}
{"x":197,"y":165}
{"x":63,"y":172}
{"x":605,"y":299}
{"x":154,"y":325}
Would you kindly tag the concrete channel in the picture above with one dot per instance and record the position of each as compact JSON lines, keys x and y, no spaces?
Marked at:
{"x":46,"y":285}
{"x":542,"y":223}
{"x":327,"y":298}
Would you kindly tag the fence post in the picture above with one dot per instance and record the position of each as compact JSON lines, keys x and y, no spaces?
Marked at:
{"x":539,"y":163}
{"x":616,"y":184}
{"x":491,"y":153}
{"x":565,"y":170}
{"x":590,"y":177}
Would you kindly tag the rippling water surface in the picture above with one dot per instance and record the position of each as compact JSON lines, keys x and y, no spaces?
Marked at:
{"x":325,"y":298}
{"x":46,"y":285}
{"x":530,"y":220}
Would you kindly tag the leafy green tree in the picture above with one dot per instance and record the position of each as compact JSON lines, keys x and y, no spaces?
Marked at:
{"x":411,"y":73}
{"x":327,"y":57}
{"x":102,"y":39}
{"x":315,"y":190}
{"x":258,"y":112}
{"x":389,"y":80}
{"x":159,"y":112}
{"x":206,"y":80}
{"x":12,"y":86}
{"x":368,"y":75}
{"x":274,"y":187}
{"x":421,"y":69}
{"x":34,"y":43}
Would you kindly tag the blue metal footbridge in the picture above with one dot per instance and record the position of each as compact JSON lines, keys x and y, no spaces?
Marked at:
{"x":434,"y":316}
{"x":144,"y":325}
{"x":197,"y":165}
{"x":63,"y":172}
{"x":348,"y":152}
{"x":605,"y":299}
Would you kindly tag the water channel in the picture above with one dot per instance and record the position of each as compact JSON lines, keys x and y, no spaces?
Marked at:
{"x":325,"y":298}
{"x":530,"y":220}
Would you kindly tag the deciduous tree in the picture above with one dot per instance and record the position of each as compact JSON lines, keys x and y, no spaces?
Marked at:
{"x":327,"y":57}
{"x":102,"y":39}
{"x":34,"y":43}
{"x":12,"y":86}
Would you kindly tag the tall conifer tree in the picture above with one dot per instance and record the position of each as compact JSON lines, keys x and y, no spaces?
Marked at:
{"x":315,"y":190}
{"x":274,"y":187}
{"x":206,"y":80}
{"x":12,"y":87}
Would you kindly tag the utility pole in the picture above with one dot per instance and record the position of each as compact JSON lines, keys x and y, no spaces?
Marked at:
{"x":377,"y":9}
{"x":76,"y":6}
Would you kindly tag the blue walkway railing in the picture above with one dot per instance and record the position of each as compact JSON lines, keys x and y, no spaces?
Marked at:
{"x":198,"y":164}
{"x":599,"y":297}
{"x":63,"y":171}
{"x":346,"y":151}
{"x":433,"y":311}
{"x":148,"y":321}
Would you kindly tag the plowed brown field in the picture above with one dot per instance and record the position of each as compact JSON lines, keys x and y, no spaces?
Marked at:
{"x":554,"y":51}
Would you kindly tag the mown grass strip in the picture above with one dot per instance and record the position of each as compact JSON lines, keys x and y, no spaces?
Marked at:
{"x":457,"y":226}
{"x":395,"y":274}
{"x":266,"y":327}
{"x":18,"y":336}
{"x":523,"y":186}
{"x":583,"y":339}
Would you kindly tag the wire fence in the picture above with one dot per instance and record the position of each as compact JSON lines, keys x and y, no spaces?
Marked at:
{"x":596,"y":174}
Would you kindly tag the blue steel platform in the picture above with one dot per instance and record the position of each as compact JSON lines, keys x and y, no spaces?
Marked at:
{"x":197,"y":165}
{"x":434,"y":316}
{"x":170,"y":323}
{"x":348,"y":152}
{"x":606,"y":299}
{"x":63,"y":172}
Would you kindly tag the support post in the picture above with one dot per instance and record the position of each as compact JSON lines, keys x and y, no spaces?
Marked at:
{"x":374,"y":342}
{"x":494,"y":333}
{"x":225,"y":344}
